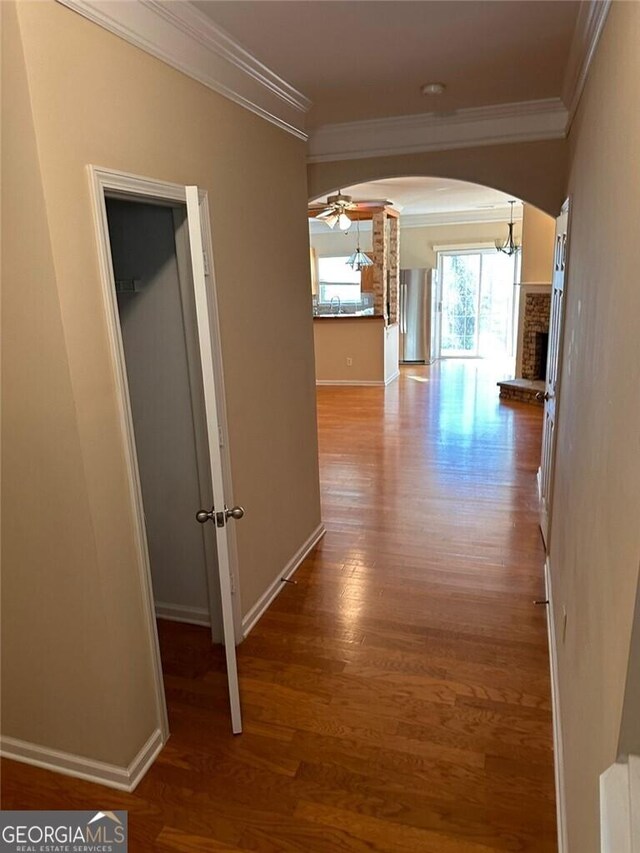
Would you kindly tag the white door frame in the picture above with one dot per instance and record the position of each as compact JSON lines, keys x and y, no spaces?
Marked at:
{"x":552,"y":390}
{"x":128,"y":186}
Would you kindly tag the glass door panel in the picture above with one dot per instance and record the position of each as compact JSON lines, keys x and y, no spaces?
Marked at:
{"x":477,"y":304}
{"x":460,"y":300}
{"x":496,"y":306}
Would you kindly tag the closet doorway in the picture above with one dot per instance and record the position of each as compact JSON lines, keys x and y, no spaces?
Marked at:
{"x":161,"y":309}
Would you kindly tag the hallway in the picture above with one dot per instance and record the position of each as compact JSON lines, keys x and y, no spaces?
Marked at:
{"x":397,"y":697}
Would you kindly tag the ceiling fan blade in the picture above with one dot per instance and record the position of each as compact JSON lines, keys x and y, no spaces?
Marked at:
{"x":324,"y":213}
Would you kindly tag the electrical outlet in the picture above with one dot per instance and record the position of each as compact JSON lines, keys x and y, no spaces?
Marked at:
{"x":349,"y":361}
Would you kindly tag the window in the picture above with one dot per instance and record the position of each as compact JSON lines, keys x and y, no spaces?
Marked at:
{"x":477,"y":303}
{"x":338,"y":281}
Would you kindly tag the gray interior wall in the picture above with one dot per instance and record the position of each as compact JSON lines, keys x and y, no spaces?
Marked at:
{"x":154,"y":321}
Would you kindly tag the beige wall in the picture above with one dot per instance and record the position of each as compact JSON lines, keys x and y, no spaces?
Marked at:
{"x":532,"y":171}
{"x":77,"y":666}
{"x":360,"y":339}
{"x":391,"y":352}
{"x":538,"y":230}
{"x":595,"y":529}
{"x":416,"y":244}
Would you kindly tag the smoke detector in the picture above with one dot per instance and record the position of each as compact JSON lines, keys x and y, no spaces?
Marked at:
{"x":433,"y":89}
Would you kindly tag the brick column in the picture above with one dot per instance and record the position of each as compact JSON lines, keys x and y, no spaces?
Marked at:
{"x":379,"y":263}
{"x":394,"y":267}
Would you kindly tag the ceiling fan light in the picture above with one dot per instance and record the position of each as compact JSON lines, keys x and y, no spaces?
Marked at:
{"x":344,"y":222}
{"x":331,"y":220}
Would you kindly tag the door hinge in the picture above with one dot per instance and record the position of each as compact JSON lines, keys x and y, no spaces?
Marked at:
{"x":205,"y":261}
{"x":233,"y":581}
{"x":220,"y":436}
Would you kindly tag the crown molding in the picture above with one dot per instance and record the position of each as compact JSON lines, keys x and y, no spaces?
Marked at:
{"x":183,"y":37}
{"x":436,"y":219}
{"x":460,"y":217}
{"x":524,"y":121}
{"x":592,"y":15}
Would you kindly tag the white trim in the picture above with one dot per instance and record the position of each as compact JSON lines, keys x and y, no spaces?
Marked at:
{"x":99,"y":181}
{"x":365,"y":383}
{"x":99,"y":772}
{"x":615,"y":809}
{"x":436,"y":219}
{"x":634,"y":801}
{"x":459,"y":217}
{"x":525,"y":121}
{"x":392,"y":378}
{"x":558,"y":750}
{"x":183,"y":613}
{"x":592,"y":15}
{"x":126,"y":185}
{"x":620,"y":807}
{"x":188,"y":40}
{"x":265,"y":600}
{"x":465,"y":246}
{"x":534,"y":286}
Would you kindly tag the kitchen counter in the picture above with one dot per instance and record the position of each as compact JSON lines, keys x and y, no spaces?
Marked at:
{"x":348,"y":317}
{"x":355,"y":353}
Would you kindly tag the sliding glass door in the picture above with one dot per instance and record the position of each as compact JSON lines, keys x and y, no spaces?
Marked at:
{"x":477,"y":303}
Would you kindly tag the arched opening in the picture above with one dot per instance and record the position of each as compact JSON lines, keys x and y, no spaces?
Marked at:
{"x":480,"y":303}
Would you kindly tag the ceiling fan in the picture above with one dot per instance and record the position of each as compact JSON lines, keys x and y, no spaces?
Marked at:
{"x":335,"y":211}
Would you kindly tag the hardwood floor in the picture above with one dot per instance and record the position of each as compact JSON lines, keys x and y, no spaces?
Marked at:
{"x":397,"y":697}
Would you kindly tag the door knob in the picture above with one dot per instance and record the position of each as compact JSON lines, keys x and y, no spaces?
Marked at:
{"x":546,"y":396}
{"x":202,"y":516}
{"x":236,"y":512}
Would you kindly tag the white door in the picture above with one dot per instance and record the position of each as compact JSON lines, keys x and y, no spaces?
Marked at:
{"x":553,"y":364}
{"x":219,"y":515}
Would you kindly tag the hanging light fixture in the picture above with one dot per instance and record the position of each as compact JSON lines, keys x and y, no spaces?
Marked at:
{"x":509,"y":247}
{"x":358,"y":259}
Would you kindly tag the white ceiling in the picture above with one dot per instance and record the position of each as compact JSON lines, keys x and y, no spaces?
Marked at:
{"x":434,"y":196}
{"x":357,"y":59}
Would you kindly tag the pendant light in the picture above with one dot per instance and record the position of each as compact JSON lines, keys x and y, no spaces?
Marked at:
{"x":509,"y":247}
{"x":358,"y":259}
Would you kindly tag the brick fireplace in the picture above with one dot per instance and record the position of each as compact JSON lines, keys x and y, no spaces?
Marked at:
{"x":535,"y":335}
{"x":528,"y":387}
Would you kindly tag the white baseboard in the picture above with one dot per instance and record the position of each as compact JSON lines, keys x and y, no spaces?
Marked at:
{"x":379,"y":383}
{"x":263,"y":603}
{"x":183,"y":613}
{"x":392,"y":378}
{"x":539,"y":482}
{"x":99,"y":772}
{"x":558,"y":753}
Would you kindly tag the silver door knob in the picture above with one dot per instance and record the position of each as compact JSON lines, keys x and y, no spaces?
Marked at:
{"x":236,"y":512}
{"x":202,"y":516}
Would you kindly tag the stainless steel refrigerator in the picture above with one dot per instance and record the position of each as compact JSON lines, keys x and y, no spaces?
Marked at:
{"x":417,"y":292}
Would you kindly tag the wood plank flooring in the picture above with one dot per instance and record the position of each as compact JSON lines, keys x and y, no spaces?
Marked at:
{"x":397,"y":697}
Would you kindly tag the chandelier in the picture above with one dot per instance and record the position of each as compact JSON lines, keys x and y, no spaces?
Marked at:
{"x":509,"y":247}
{"x":358,"y":259}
